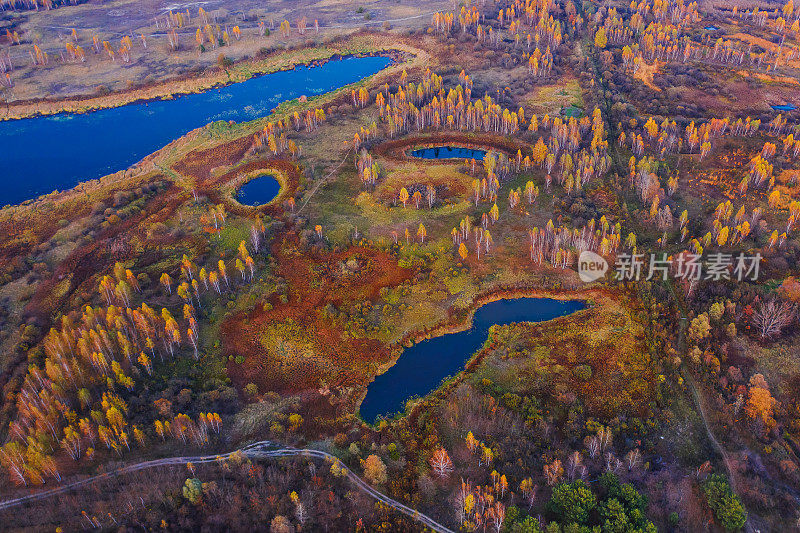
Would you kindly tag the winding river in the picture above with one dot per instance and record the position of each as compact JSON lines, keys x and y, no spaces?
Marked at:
{"x":421,"y":368}
{"x":42,"y":154}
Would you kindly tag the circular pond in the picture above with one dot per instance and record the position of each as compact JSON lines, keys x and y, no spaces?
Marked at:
{"x":448,"y":152}
{"x":259,"y":190}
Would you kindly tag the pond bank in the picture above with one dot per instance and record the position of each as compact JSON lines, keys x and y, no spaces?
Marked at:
{"x":448,"y":152}
{"x":397,"y":149}
{"x":522,"y":305}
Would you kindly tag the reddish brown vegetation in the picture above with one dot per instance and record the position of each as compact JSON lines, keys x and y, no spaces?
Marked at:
{"x":199,"y":164}
{"x":82,"y":264}
{"x":396,"y":149}
{"x":344,"y":356}
{"x":622,"y":378}
{"x":719,"y":182}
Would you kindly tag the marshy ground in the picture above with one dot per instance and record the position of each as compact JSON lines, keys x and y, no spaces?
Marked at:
{"x":285,"y":313}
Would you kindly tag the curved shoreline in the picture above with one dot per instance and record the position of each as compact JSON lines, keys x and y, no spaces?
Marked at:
{"x":222,"y":188}
{"x":207,"y":80}
{"x":387,"y":67}
{"x":232,"y":187}
{"x":396,"y":149}
{"x":461,"y":320}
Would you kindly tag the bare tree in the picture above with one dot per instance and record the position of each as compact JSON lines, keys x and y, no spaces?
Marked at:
{"x":612,"y":463}
{"x":575,"y":465}
{"x":593,"y":446}
{"x":633,"y":458}
{"x":441,"y":464}
{"x":604,"y":435}
{"x":300,"y":513}
{"x":703,"y":470}
{"x":772,"y":316}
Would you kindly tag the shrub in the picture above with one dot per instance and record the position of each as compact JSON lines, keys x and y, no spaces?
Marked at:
{"x":572,"y":502}
{"x":224,"y":61}
{"x":295,"y":420}
{"x":727,"y":508}
{"x":583,"y":372}
{"x":512,"y":401}
{"x":339,"y":440}
{"x":281,"y":524}
{"x":193,"y":490}
{"x":375,"y":470}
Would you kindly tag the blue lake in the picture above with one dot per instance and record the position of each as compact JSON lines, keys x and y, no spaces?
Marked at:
{"x":421,"y":368}
{"x":449,"y":152}
{"x":784,"y":107}
{"x":258,"y":191}
{"x":711,"y":28}
{"x":42,"y":154}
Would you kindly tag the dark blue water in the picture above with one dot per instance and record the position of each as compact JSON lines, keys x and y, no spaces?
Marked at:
{"x":258,"y":191}
{"x":449,"y":152}
{"x":711,"y":28}
{"x":784,"y":107}
{"x":42,"y":154}
{"x":421,"y":368}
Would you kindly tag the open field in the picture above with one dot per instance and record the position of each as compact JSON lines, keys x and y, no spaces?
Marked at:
{"x":151,"y":65}
{"x":205,"y":77}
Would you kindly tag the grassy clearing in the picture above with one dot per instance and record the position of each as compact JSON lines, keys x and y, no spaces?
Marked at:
{"x":551,"y":99}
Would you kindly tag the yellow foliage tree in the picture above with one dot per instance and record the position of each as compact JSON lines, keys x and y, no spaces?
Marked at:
{"x":404,"y":196}
{"x":722,"y":238}
{"x":760,"y":404}
{"x":600,"y":39}
{"x":462,"y":251}
{"x":375,"y":470}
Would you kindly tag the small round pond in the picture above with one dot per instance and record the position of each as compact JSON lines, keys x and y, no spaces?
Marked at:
{"x":259,"y":190}
{"x":449,"y":152}
{"x":421,"y":368}
{"x":784,"y":107}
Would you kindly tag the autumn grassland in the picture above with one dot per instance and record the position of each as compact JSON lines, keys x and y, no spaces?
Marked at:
{"x":150,"y":314}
